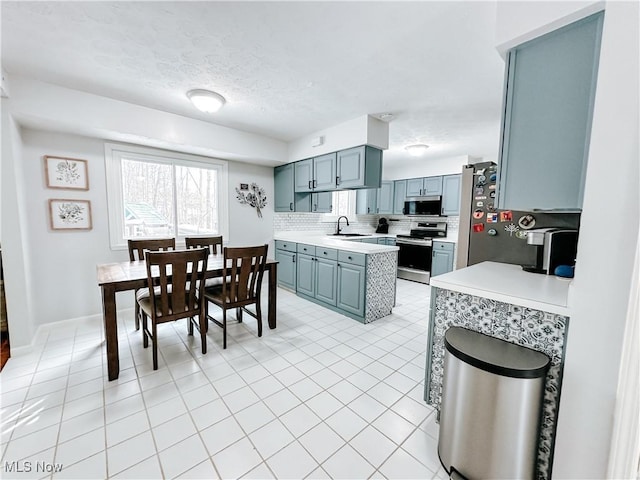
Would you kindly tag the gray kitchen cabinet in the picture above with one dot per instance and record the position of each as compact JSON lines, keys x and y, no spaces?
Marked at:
{"x":359,"y":167}
{"x":451,"y":195}
{"x":316,"y":202}
{"x":287,"y":269}
{"x":284,"y":196}
{"x":425,"y":186}
{"x":324,"y":172}
{"x":366,"y":201}
{"x":546,"y":125}
{"x":441,"y":258}
{"x":287,"y":200}
{"x":306,"y":278}
{"x":385,"y":198}
{"x":399,"y":196}
{"x":303,"y":173}
{"x":315,"y":174}
{"x":351,"y":282}
{"x":326,"y":280}
{"x":317,"y":273}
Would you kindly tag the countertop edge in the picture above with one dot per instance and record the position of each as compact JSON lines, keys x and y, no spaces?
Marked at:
{"x":466,"y":284}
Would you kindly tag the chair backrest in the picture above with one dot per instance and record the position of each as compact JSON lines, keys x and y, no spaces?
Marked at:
{"x":155,"y":244}
{"x":180,"y":278}
{"x":210,"y":242}
{"x":242,"y":275}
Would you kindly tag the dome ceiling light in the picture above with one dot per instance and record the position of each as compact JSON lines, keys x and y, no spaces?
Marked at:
{"x":206,"y":100}
{"x":417,"y":149}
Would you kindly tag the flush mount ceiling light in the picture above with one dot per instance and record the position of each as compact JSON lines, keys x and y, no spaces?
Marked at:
{"x":206,"y":100}
{"x":417,"y":149}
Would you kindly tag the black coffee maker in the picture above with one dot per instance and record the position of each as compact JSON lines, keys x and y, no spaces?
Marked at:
{"x":383,"y":226}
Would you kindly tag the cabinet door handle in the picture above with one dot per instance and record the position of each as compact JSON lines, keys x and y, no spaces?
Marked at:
{"x":315,"y":207}
{"x":291,"y":206}
{"x":310,"y":186}
{"x":337,"y":181}
{"x":293,"y":259}
{"x":315,"y":183}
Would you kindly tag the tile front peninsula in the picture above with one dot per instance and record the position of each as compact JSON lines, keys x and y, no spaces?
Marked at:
{"x":504,"y":302}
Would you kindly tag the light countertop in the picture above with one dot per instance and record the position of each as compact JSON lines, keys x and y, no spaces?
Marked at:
{"x":324,"y":240}
{"x":510,"y":284}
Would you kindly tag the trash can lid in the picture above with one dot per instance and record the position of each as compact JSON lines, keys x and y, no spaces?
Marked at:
{"x":495,"y":355}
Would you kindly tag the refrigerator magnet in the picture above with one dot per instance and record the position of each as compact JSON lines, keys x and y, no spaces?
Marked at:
{"x":493,"y":194}
{"x":506,"y":216}
{"x":480,"y":204}
{"x":478,"y":227}
{"x":493,"y":177}
{"x":492,"y":187}
{"x":478,"y":214}
{"x":492,"y":218}
{"x":491,"y":207}
{"x":481,"y":198}
{"x":479,"y":190}
{"x":521,"y":234}
{"x":511,"y":229}
{"x":492,"y":231}
{"x":527,"y":221}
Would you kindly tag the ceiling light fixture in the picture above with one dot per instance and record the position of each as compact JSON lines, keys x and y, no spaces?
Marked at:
{"x":417,"y":149}
{"x":206,"y":100}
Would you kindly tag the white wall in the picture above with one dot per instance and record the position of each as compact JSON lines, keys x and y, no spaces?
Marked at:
{"x":364,"y":130}
{"x":600,"y":291}
{"x":61,"y":266}
{"x":14,"y":239}
{"x":420,"y":167}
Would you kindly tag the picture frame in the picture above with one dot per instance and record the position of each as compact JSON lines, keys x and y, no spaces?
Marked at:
{"x":69,"y":214}
{"x":66,"y":173}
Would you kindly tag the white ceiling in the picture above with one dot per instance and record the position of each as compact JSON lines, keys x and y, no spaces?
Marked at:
{"x":286,"y":69}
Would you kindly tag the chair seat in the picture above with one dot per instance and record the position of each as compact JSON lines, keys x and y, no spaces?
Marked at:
{"x":147,"y":307}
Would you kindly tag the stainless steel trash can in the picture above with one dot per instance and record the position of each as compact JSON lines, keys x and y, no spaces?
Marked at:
{"x":491,"y":407}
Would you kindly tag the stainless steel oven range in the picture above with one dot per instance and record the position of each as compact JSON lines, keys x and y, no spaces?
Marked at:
{"x":414,"y":256}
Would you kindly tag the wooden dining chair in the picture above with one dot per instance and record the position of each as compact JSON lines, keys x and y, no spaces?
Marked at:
{"x":210,"y":242}
{"x":136,"y":252}
{"x":176,"y":287}
{"x":241,"y":285}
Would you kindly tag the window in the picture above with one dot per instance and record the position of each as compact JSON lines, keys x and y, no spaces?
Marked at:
{"x":344,"y":203}
{"x":154,"y":193}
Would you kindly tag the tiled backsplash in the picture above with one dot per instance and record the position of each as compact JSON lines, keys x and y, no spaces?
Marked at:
{"x":357,"y":223}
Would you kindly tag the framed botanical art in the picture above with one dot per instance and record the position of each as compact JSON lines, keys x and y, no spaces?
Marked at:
{"x":69,"y":214}
{"x":66,"y":173}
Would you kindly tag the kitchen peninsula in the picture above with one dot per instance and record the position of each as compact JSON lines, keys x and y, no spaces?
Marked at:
{"x":503,"y":301}
{"x":355,"y":278}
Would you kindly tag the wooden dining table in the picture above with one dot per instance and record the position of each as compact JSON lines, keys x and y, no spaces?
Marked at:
{"x":123,"y":276}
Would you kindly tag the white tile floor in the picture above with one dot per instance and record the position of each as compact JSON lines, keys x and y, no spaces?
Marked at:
{"x":321,"y":396}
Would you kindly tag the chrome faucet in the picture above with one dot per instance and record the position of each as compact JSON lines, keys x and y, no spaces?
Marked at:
{"x":338,"y":225}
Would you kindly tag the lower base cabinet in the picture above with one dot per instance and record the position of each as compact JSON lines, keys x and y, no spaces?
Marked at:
{"x":351,"y":283}
{"x":318,"y":275}
{"x":441,"y":258}
{"x":286,"y":258}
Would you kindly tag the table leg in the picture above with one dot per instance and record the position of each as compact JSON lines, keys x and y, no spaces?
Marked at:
{"x":273,"y":294}
{"x":111,"y":330}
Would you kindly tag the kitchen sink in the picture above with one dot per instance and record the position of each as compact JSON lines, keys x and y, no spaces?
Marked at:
{"x":348,"y":234}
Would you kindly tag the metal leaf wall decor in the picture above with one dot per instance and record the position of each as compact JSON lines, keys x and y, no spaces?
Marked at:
{"x":255,"y":197}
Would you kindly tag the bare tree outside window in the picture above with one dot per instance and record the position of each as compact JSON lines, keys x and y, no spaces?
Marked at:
{"x":162,"y":199}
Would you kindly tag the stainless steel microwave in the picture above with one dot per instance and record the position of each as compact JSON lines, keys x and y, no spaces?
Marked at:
{"x":423,"y":205}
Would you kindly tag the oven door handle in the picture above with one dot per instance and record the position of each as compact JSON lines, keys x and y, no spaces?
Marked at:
{"x":413,"y":242}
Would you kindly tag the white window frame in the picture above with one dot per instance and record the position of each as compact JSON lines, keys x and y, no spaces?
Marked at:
{"x":113,"y":156}
{"x":333,"y":217}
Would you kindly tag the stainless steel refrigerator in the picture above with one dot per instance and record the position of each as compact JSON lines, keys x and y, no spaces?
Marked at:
{"x":488,"y":234}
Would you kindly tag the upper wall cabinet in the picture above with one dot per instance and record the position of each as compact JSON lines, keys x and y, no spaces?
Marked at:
{"x":549,"y":96}
{"x":451,"y":195}
{"x":286,"y":200}
{"x":316,"y":174}
{"x":384,"y":199}
{"x":399,"y":196}
{"x":284,"y":197}
{"x":419,"y":187}
{"x":359,"y":167}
